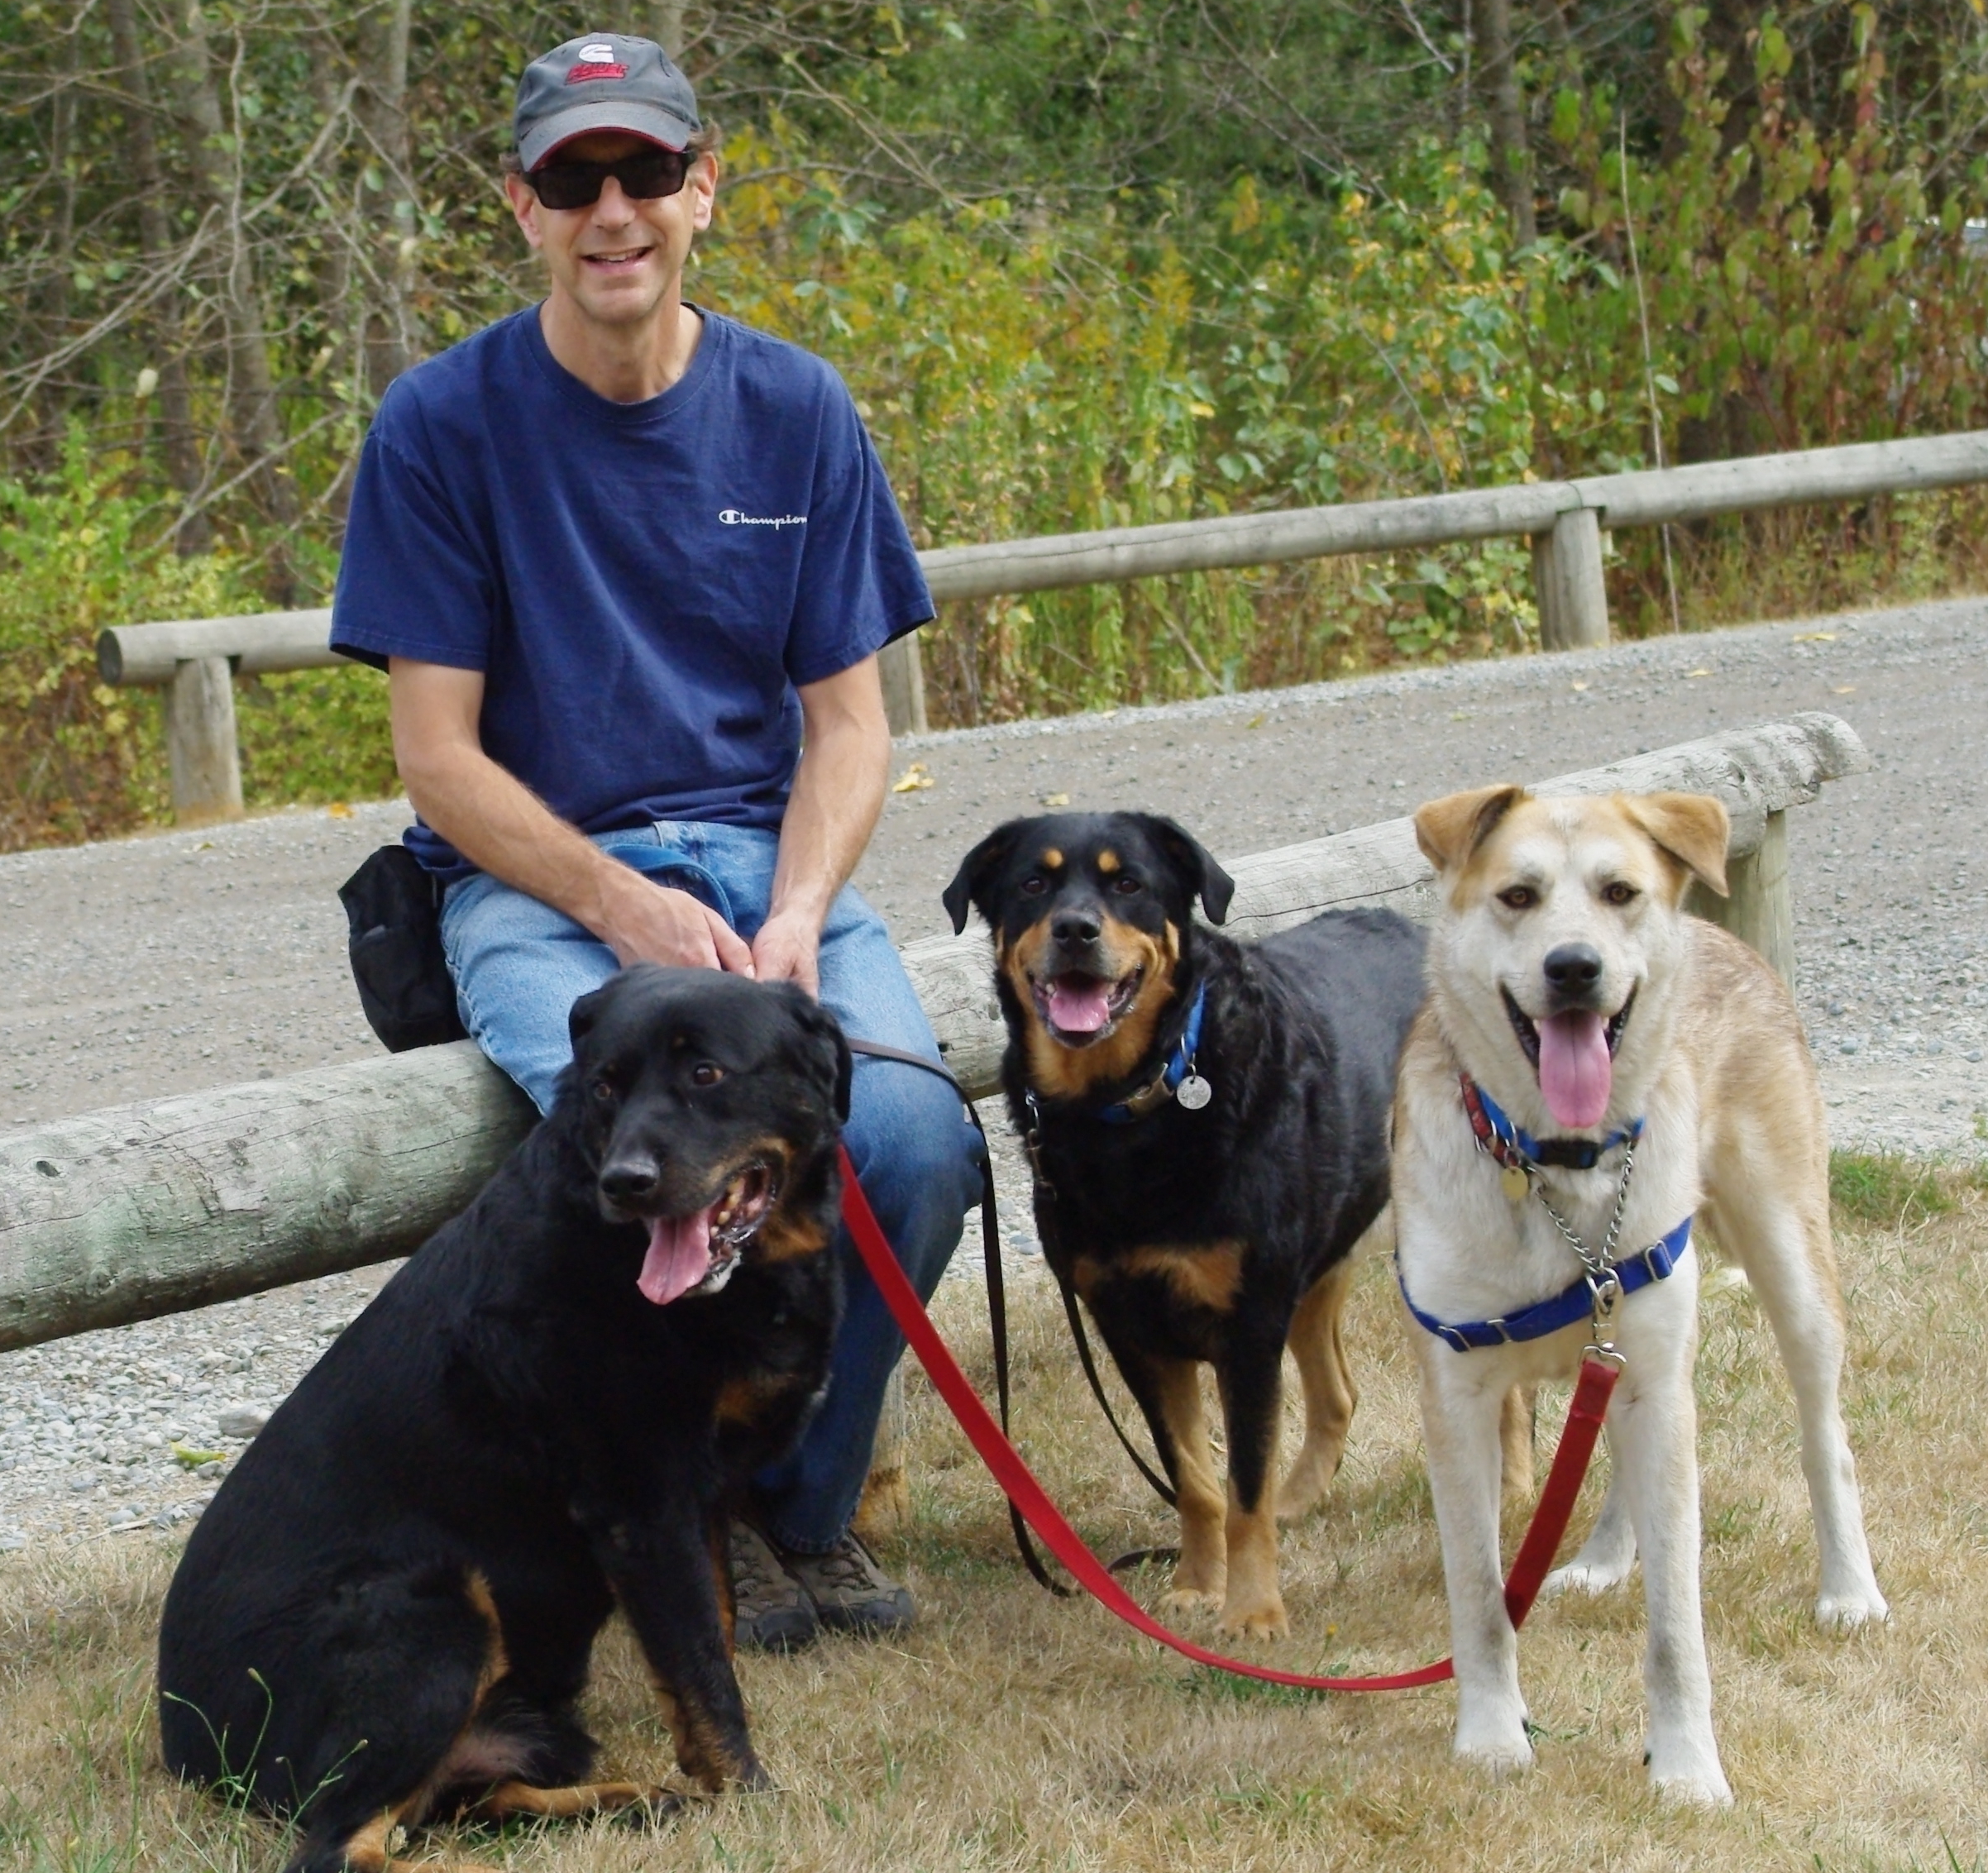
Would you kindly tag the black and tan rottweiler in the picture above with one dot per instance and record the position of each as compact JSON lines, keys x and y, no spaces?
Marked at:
{"x":388,"y":1611}
{"x":1210,"y":1121}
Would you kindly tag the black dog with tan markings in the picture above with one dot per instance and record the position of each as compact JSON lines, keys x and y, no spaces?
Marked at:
{"x":387,"y":1612}
{"x":1211,"y":1126}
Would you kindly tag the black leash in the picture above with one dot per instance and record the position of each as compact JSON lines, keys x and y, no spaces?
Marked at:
{"x":997,"y":1319}
{"x":997,"y":1291}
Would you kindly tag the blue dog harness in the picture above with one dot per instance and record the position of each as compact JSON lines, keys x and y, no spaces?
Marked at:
{"x":1565,"y":1308}
{"x":1603,"y":1281}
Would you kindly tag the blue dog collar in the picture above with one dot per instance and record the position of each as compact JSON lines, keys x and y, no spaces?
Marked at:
{"x":1180,"y":1062}
{"x":1570,"y":1154}
{"x":1572,"y":1304}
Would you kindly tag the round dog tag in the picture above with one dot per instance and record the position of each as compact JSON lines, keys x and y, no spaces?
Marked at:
{"x":1194,"y":1092}
{"x":1512,"y":1180}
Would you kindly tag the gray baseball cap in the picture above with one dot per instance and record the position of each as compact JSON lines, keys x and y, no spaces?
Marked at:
{"x":604,"y":81}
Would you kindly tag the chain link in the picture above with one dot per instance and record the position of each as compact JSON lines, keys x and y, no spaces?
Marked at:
{"x":1604,"y":1285}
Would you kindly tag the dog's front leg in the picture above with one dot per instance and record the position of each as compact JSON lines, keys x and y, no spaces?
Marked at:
{"x":1201,"y":1574}
{"x":1609,"y":1552}
{"x":1462,"y":1399}
{"x":1653,"y":1441}
{"x":666,"y":1575}
{"x":1252,"y":1374}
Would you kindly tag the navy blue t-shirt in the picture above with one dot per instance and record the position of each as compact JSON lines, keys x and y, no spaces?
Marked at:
{"x":642,"y":585}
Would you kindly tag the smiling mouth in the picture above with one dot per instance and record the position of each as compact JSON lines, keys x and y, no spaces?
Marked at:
{"x":1080,"y":1009}
{"x":1528,"y":1030}
{"x":619,"y":261}
{"x":699,"y":1253}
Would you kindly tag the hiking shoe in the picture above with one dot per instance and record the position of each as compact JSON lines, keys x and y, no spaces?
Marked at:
{"x":849,"y":1592}
{"x":773,"y":1611}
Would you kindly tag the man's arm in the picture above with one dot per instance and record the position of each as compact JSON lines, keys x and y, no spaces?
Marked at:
{"x":496,"y":822}
{"x":845,"y":761}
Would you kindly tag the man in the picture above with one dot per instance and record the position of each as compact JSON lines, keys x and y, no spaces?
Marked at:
{"x":629,"y":565}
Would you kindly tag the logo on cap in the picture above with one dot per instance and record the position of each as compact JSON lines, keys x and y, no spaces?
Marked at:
{"x":596,"y":61}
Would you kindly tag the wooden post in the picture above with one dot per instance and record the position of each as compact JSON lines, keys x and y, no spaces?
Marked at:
{"x":200,"y":742}
{"x":1760,"y":908}
{"x":885,"y":1507}
{"x":904,"y":685}
{"x":1567,"y":580}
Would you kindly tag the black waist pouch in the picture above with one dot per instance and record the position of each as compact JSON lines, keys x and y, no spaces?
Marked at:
{"x":393,"y":907}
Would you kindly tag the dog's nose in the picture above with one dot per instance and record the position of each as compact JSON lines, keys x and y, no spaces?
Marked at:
{"x":1076,"y":926}
{"x":1574,"y":967}
{"x":628,"y":1180}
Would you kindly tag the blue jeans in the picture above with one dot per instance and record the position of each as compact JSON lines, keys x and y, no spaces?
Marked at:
{"x":519,"y":966}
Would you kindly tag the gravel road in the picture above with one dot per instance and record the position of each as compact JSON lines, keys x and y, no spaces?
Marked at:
{"x":163,"y":964}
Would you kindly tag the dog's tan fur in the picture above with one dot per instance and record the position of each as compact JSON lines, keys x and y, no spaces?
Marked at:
{"x":1711,"y":1057}
{"x":1068,"y":1072}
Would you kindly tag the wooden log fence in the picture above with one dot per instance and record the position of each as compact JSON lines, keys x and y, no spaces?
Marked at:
{"x":150,"y":1209}
{"x":1565,"y":520}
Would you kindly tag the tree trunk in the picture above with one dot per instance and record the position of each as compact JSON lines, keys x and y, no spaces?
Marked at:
{"x":665,"y":26}
{"x":391,"y":341}
{"x":1511,"y":154}
{"x":254,"y":416}
{"x":182,"y":451}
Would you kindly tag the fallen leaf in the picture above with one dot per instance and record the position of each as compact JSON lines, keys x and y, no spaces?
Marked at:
{"x":193,"y":1458}
{"x":339,"y":810}
{"x":1256,"y":722}
{"x":1847,"y":689}
{"x":913,"y":780}
{"x":205,"y":845}
{"x":1459,"y":715}
{"x":1813,"y":637}
{"x":1579,"y":684}
{"x":1056,"y":800}
{"x":1698,"y":672}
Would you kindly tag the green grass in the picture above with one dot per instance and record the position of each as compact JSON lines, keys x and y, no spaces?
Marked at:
{"x":1888,"y":1190}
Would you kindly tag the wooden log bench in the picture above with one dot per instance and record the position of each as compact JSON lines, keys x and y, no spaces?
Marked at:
{"x":148,"y":1209}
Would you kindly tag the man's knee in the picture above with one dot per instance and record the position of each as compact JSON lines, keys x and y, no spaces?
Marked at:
{"x":919,"y":1160}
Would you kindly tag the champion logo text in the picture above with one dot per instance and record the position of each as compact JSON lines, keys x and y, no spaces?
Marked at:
{"x":732,"y":516}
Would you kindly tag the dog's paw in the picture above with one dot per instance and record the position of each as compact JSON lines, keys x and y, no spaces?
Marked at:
{"x":1844,"y":1612}
{"x":1502,"y":1753}
{"x":1263,"y":1619}
{"x":1703,"y":1788}
{"x":1187,"y":1601}
{"x":656,"y":1807}
{"x":1583,"y":1577}
{"x":1305,"y":1487}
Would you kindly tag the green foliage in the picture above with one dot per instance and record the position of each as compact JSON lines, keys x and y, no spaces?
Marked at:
{"x":1082,"y":269}
{"x":78,"y":551}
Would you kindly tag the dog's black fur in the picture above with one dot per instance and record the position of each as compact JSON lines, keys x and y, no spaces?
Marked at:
{"x":1193,"y":1235}
{"x":391,"y":1604}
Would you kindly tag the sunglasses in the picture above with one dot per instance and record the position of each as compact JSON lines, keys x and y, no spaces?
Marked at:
{"x":644,"y":177}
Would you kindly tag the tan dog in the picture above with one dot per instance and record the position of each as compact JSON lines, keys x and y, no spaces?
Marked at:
{"x":1567,"y":983}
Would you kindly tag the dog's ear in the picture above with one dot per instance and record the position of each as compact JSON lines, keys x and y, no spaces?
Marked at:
{"x":831,"y":1049}
{"x":963,"y":894}
{"x":1205,"y":878}
{"x":1692,"y":828}
{"x":1449,"y":829}
{"x":582,"y":1015}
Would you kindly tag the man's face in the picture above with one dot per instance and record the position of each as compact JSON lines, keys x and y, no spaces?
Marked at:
{"x":616,"y":260}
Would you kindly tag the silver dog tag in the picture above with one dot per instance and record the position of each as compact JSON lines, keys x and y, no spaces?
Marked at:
{"x":1194,"y":1092}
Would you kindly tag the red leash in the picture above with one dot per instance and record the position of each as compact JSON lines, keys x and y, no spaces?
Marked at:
{"x":1535,"y":1553}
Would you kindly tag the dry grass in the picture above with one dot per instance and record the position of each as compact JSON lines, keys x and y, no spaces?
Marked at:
{"x":1013,"y":1731}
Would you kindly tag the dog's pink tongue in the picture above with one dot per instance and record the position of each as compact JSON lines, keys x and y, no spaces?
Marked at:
{"x":1080,"y":1004}
{"x":679,"y":1257}
{"x":1574,"y":1070}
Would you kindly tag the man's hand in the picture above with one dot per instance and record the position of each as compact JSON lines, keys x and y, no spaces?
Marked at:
{"x":787,"y":950}
{"x":495,"y":822}
{"x":651,"y":923}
